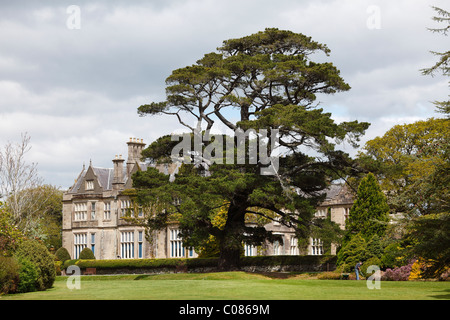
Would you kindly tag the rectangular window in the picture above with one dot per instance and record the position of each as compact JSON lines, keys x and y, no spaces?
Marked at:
{"x":276,"y":248}
{"x":89,"y":185}
{"x":316,"y":247}
{"x":176,"y":244}
{"x":321,"y":213}
{"x":92,"y":210}
{"x":249,"y":250}
{"x":79,"y":243}
{"x":127,"y":245}
{"x":93,"y":243}
{"x":140,"y":241}
{"x":126,"y":208}
{"x":346,"y":213}
{"x":107,"y":211}
{"x":80,"y":210}
{"x":293,"y":250}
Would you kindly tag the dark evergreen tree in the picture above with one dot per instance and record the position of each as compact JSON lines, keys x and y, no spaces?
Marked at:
{"x":264,"y":82}
{"x":369,"y":214}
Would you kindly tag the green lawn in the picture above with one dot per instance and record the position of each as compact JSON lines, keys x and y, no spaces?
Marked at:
{"x":232,"y":286}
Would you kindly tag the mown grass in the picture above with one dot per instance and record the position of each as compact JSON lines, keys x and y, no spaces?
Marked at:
{"x":233,"y":286}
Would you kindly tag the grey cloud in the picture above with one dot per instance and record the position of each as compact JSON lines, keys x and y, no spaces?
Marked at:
{"x":87,"y":83}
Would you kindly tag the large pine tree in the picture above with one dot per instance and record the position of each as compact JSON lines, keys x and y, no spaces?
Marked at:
{"x":264,"y":82}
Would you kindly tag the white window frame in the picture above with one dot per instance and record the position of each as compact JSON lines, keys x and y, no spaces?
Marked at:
{"x":321,"y":213}
{"x":176,"y":244}
{"x":293,"y":249}
{"x":80,"y":211}
{"x":124,"y":206}
{"x":250,"y":250}
{"x":316,"y":247}
{"x":346,"y":214}
{"x":107,"y":211}
{"x":89,"y":185}
{"x":79,"y":243}
{"x":93,"y":206}
{"x":127,"y":244}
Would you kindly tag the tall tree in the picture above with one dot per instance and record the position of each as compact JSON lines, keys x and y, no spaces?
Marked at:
{"x":34,"y":208}
{"x":411,"y":161}
{"x":430,"y":238}
{"x":370,"y":212}
{"x":17,"y":179}
{"x":264,"y":82}
{"x":442,"y":65}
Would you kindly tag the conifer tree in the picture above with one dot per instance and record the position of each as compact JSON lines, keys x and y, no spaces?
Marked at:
{"x":369,"y":213}
{"x":264,"y":83}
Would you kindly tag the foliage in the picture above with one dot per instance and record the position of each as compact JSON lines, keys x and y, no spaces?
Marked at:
{"x":443,"y":63}
{"x":271,"y":84}
{"x":28,"y":276}
{"x":306,"y":262}
{"x":399,"y":273}
{"x":411,"y":161}
{"x":331,"y":275}
{"x":373,"y":261}
{"x":393,"y":256}
{"x":374,"y":248}
{"x":417,"y":269}
{"x":35,"y":252}
{"x":87,"y":253}
{"x":62,"y":254}
{"x":9,"y":275}
{"x":369,"y":213}
{"x":34,"y":208}
{"x":329,"y":232}
{"x":10,"y":236}
{"x":431,"y":236}
{"x":211,"y":246}
{"x":351,"y":253}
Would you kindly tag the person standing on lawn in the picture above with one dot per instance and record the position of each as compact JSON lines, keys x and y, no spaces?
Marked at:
{"x":358,"y":270}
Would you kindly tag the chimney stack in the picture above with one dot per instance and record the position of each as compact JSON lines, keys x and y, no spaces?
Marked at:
{"x":135,"y":147}
{"x":118,"y":173}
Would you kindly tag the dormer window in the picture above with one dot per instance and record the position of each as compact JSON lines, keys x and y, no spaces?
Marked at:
{"x":89,"y":184}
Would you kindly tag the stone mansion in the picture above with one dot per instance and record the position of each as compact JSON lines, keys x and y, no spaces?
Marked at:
{"x":93,"y":210}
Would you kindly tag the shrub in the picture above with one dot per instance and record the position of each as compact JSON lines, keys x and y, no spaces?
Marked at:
{"x":28,"y":276}
{"x":351,"y":253}
{"x":374,"y":261}
{"x":398,"y":274}
{"x":62,"y":254}
{"x":58,"y":267}
{"x":86,"y":254}
{"x":37,"y":253}
{"x":392,"y":256}
{"x":333,"y":275}
{"x":173,"y":264}
{"x":9,"y":274}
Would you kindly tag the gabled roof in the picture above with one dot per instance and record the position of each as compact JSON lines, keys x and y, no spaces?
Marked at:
{"x":104,"y":178}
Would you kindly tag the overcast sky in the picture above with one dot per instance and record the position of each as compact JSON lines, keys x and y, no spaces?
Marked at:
{"x":74,"y":85}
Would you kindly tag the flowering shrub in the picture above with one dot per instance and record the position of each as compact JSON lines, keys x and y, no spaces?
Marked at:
{"x":398,"y":274}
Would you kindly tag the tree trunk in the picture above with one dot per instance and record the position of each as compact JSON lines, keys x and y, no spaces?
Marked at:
{"x":231,"y":238}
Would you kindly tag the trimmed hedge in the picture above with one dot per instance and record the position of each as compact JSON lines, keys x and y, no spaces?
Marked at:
{"x":183,"y":264}
{"x":287,"y":260}
{"x":62,"y":254}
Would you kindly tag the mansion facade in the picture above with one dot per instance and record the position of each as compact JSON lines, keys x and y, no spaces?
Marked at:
{"x":95,"y":206}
